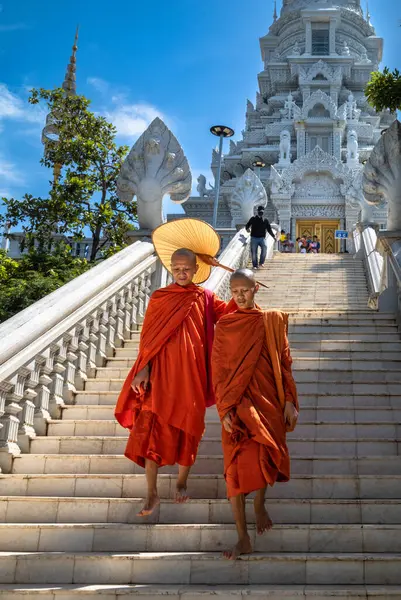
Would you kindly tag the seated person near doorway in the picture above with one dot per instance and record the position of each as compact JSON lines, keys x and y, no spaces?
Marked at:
{"x":258,"y":226}
{"x":316,"y":243}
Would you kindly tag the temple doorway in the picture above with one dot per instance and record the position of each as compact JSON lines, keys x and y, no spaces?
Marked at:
{"x":325,"y":231}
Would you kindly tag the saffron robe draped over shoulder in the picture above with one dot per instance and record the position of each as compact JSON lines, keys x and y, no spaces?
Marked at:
{"x":252,"y":377}
{"x":167,"y":421}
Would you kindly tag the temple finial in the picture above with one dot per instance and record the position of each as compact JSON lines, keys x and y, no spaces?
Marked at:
{"x":69,"y":84}
{"x":368,"y":13}
{"x":275,"y":11}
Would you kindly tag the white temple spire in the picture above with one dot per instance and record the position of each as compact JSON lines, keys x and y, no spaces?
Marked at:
{"x":69,"y":84}
{"x":368,"y":13}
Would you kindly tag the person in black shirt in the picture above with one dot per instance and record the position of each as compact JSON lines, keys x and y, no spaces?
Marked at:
{"x":258,"y":226}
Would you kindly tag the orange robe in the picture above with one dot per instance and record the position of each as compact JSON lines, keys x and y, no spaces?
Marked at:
{"x":251,"y":365}
{"x":167,"y":421}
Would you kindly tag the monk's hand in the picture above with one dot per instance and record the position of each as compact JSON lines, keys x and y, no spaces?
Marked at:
{"x":140,"y":382}
{"x":290,"y":416}
{"x":227,"y":421}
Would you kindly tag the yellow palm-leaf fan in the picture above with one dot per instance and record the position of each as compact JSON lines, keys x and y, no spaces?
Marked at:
{"x":195,"y":235}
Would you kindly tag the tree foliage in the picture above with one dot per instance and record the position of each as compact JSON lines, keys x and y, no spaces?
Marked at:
{"x":81,"y":149}
{"x":384,"y":90}
{"x":36,"y":274}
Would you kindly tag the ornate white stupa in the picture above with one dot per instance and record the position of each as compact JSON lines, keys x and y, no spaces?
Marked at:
{"x":311,"y":124}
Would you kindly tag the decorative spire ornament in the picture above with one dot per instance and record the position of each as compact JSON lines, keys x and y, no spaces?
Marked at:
{"x":70,"y":84}
{"x":275,"y":11}
{"x":368,"y":13}
{"x":50,"y":133}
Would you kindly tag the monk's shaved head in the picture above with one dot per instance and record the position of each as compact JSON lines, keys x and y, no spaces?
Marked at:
{"x":243,"y":288}
{"x":184,"y":266}
{"x":184,"y":253}
{"x":244,"y":274}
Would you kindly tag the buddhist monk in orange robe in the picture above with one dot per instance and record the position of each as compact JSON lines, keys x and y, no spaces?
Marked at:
{"x":164,"y":398}
{"x":257,"y":402}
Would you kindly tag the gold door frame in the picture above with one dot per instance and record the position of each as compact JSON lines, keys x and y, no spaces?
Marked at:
{"x":325,"y":231}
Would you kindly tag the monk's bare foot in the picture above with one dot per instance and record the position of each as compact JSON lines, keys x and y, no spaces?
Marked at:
{"x":181,"y":495}
{"x":149,"y":506}
{"x":263,"y":521}
{"x":244,"y":546}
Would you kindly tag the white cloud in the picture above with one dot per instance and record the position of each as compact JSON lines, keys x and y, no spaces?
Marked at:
{"x":132,"y":119}
{"x":14,"y":107}
{"x":99,"y":84}
{"x":9,"y":172}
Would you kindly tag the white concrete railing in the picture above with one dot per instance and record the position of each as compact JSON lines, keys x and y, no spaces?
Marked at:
{"x":236,"y":256}
{"x":365,"y":240}
{"x":49,"y":350}
{"x":389,"y":244}
{"x":381,"y":252}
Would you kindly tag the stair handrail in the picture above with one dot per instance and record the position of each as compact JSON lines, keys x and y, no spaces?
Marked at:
{"x":365,"y":239}
{"x":49,"y":350}
{"x":235,"y":256}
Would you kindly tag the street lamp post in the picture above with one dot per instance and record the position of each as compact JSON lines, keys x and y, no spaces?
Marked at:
{"x":257,"y":165}
{"x":221,"y":131}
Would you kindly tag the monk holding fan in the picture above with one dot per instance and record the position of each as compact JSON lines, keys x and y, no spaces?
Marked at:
{"x":164,"y":398}
{"x":257,"y":402}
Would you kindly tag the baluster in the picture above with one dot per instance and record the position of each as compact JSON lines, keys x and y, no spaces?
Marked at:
{"x":141,"y":298}
{"x":71,"y":344}
{"x":24,"y":395}
{"x":120,"y":316}
{"x":9,"y":432}
{"x":93,"y":344}
{"x":111,"y":327}
{"x":42,"y":416}
{"x":58,"y":369}
{"x":128,"y":311}
{"x":135,"y":304}
{"x":83,"y":355}
{"x":101,"y":355}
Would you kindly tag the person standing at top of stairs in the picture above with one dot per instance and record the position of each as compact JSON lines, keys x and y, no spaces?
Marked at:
{"x":259,"y":227}
{"x":256,"y":398}
{"x":164,"y":398}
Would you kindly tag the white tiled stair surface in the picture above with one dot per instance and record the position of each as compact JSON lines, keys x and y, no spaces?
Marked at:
{"x":68,"y":524}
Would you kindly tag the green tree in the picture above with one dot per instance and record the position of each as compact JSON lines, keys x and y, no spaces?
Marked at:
{"x":384,"y":90}
{"x":82,"y":152}
{"x":35,"y":275}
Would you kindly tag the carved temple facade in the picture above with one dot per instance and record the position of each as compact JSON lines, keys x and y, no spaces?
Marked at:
{"x":311,"y":124}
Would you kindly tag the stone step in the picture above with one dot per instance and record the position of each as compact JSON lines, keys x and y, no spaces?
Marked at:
{"x":325,"y":332}
{"x":298,"y":446}
{"x":200,"y":486}
{"x":192,"y":592}
{"x":300,"y":365}
{"x":316,"y":388}
{"x":304,"y":345}
{"x":33,"y":509}
{"x":343,"y":429}
{"x":200,"y":568}
{"x":313,"y":408}
{"x":313,"y":374}
{"x":306,"y":464}
{"x":129,"y":537}
{"x":298,"y":353}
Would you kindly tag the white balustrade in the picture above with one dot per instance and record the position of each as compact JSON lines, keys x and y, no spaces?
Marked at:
{"x":51,"y":348}
{"x":236,"y":256}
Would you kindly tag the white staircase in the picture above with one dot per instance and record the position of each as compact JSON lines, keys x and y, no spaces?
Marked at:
{"x":68,"y":510}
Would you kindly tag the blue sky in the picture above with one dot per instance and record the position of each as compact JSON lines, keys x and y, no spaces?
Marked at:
{"x":192,"y":62}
